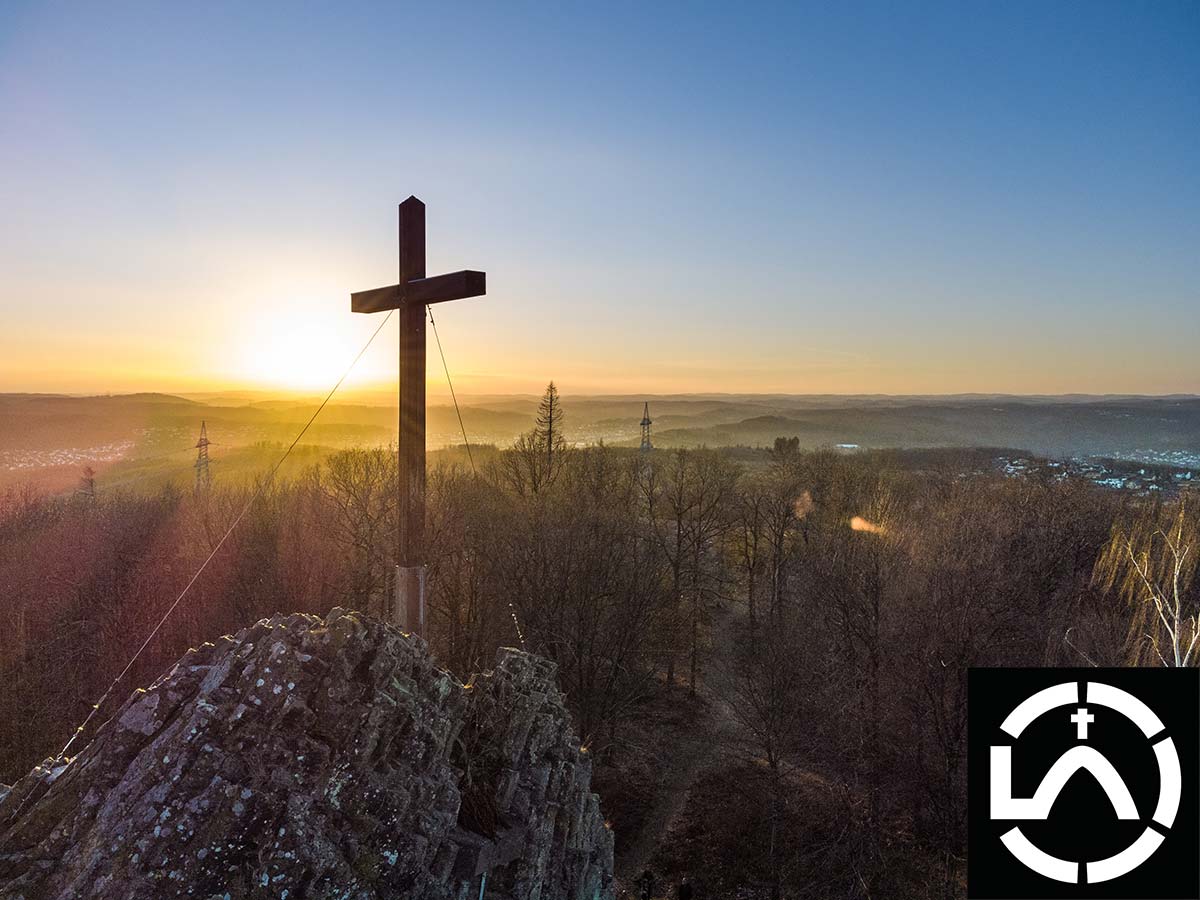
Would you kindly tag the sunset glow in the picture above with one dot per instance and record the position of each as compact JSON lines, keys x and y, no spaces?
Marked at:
{"x":171,"y":225}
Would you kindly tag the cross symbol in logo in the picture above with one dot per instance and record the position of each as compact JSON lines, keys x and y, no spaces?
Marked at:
{"x":1082,"y":719}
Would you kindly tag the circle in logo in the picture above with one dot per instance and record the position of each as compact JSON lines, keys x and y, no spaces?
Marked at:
{"x":1004,"y":806}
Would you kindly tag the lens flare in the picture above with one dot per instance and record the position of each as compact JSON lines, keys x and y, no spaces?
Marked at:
{"x":803,"y":505}
{"x":858,"y":523}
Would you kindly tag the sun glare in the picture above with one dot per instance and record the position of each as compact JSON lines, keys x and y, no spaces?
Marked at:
{"x":307,"y":357}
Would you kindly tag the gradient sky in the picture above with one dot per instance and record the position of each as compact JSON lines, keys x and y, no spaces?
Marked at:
{"x":900,"y":198}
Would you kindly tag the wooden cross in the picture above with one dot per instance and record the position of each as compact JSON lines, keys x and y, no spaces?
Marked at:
{"x":411,"y":297}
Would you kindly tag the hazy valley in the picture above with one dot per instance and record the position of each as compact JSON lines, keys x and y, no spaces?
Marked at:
{"x":47,"y":440}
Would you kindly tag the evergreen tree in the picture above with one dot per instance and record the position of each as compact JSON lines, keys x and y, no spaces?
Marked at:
{"x":549,"y":424}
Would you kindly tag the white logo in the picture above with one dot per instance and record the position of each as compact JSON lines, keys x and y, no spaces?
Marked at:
{"x":1005,"y":806}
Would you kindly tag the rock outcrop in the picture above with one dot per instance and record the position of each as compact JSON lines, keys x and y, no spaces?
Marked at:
{"x":317,"y":758}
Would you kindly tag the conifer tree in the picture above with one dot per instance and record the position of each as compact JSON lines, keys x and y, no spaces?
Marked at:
{"x":549,"y":424}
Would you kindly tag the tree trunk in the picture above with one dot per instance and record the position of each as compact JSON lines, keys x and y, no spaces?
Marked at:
{"x":773,"y":852}
{"x":750,"y":592}
{"x":695,"y":648}
{"x":775,"y":588}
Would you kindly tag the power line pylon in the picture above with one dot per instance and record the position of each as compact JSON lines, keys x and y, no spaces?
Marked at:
{"x":203,"y":474}
{"x":646,"y":423}
{"x":87,"y":484}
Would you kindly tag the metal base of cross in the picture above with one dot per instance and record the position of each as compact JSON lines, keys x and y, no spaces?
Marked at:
{"x":408,"y":608}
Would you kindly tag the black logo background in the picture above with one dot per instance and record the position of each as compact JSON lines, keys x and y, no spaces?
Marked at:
{"x":1083,"y":825}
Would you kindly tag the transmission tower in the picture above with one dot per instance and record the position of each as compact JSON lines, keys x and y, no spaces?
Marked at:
{"x":646,"y":423}
{"x":87,"y":484}
{"x":203,"y":475}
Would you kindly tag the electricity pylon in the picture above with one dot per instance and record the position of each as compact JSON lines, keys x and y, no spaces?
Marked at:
{"x":203,"y":474}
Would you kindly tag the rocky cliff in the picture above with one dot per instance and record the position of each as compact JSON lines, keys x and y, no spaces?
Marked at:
{"x":317,"y":758}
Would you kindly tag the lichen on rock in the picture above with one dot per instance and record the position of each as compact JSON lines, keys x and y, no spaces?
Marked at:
{"x":317,"y":758}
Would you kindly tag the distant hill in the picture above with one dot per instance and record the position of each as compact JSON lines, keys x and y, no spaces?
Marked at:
{"x":49,"y":438}
{"x":1093,"y":428}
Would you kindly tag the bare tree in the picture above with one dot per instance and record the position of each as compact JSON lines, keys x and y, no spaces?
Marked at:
{"x":469,"y":612}
{"x":1151,"y":562}
{"x":747,"y":537}
{"x":858,"y":578}
{"x":765,"y":694}
{"x":589,"y":585}
{"x":523,"y":467}
{"x":359,"y":485}
{"x":688,"y":496}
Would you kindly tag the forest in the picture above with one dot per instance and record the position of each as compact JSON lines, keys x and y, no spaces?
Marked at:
{"x":765,"y":651}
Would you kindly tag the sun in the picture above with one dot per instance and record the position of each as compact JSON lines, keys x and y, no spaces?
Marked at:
{"x":310,"y":355}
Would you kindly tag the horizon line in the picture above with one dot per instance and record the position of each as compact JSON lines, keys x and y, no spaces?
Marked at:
{"x":288,"y":394}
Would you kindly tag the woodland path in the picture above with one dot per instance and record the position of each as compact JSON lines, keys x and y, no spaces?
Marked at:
{"x":694,"y":756}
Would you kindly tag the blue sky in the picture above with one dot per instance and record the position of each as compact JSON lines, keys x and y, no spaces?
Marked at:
{"x":890,"y":198}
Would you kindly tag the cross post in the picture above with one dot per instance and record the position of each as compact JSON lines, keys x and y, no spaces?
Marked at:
{"x":410,"y":298}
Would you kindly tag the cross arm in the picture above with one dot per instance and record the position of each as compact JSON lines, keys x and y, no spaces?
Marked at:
{"x":438,"y":289}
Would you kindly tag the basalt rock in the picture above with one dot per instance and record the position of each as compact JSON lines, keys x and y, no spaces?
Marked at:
{"x":317,"y":758}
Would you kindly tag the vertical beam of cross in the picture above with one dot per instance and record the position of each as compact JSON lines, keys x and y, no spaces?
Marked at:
{"x":410,"y":298}
{"x":410,"y":496}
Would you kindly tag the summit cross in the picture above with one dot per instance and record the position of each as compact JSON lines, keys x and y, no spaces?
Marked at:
{"x":411,"y":297}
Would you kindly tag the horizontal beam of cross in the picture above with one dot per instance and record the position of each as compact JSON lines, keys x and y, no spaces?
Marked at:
{"x":438,"y":289}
